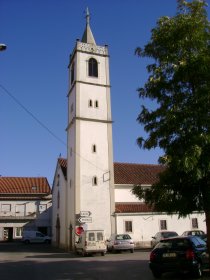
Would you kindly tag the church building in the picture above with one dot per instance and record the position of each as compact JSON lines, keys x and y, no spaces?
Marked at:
{"x":90,"y":191}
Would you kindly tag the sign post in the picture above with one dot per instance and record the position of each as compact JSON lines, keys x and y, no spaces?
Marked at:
{"x":85,"y":220}
{"x":85,"y":213}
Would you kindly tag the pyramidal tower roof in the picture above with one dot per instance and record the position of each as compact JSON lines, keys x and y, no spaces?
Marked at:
{"x":88,"y":35}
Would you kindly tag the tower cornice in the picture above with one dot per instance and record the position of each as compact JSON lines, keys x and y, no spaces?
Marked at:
{"x":87,"y":83}
{"x":89,"y":49}
{"x":88,"y":119}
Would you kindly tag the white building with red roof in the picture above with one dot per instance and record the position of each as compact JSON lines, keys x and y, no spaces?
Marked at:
{"x":25,"y":203}
{"x":89,"y":190}
{"x":131,"y":215}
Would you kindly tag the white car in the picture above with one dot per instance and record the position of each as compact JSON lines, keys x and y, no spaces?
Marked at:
{"x":120,"y":242}
{"x":33,"y":236}
{"x":91,"y":242}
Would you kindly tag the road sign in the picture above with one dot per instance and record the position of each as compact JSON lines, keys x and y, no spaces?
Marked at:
{"x":79,"y":230}
{"x":85,"y":220}
{"x":85,"y":213}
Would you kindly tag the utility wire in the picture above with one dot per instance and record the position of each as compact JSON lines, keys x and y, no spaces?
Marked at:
{"x":44,"y":126}
{"x":32,"y":115}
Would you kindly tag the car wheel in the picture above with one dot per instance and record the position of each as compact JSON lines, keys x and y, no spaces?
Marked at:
{"x":103,"y":253}
{"x":113,"y":250}
{"x":27,"y":241}
{"x":47,"y":241}
{"x":157,"y":274}
{"x":132,"y":250}
{"x":197,"y":273}
{"x":83,"y":253}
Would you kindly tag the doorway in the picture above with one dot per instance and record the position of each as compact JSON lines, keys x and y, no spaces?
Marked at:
{"x":8,"y":234}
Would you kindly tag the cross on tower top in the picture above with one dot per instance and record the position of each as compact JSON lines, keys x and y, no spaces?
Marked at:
{"x":87,"y":16}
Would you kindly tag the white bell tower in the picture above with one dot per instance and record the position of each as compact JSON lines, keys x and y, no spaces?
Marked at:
{"x":90,"y":176}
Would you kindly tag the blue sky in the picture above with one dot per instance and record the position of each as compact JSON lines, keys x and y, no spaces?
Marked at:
{"x":40,"y":35}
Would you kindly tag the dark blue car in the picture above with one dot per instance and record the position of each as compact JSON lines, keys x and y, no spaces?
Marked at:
{"x":179,"y":254}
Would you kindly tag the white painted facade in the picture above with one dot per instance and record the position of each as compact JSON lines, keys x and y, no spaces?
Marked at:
{"x":123,"y":193}
{"x":90,"y":180}
{"x":90,"y":127}
{"x":145,"y":225}
{"x":59,"y":202}
{"x":17,"y":215}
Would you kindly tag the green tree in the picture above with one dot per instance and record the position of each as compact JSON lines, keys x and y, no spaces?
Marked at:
{"x":179,"y":83}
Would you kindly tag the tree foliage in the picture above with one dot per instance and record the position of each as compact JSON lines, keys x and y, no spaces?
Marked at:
{"x":179,"y":83}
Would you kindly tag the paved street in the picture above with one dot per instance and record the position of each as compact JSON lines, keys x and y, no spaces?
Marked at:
{"x":42,"y":262}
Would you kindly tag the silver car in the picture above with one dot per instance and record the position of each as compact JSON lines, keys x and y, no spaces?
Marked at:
{"x":120,"y":242}
{"x":193,"y":232}
{"x":162,"y":235}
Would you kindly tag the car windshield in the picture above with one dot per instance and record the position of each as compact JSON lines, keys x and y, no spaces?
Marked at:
{"x":178,"y":244}
{"x":169,"y":234}
{"x":122,"y":237}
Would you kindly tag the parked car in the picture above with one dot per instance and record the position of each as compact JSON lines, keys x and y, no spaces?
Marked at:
{"x":33,"y":236}
{"x":193,"y":232}
{"x":91,"y":242}
{"x":179,"y":254}
{"x":120,"y":242}
{"x":204,"y":237}
{"x":162,"y":235}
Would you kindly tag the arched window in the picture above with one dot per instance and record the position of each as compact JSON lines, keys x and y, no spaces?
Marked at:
{"x":93,"y":67}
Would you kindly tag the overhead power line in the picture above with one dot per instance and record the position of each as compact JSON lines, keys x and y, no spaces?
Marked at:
{"x":32,"y":115}
{"x":44,"y":126}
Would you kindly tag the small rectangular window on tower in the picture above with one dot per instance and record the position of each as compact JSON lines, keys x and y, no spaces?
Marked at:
{"x":90,"y":103}
{"x":96,"y":104}
{"x":94,"y":148}
{"x":95,"y":181}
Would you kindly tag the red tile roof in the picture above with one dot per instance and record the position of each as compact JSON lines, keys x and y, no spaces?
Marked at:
{"x":136,"y":174}
{"x":129,"y":173}
{"x":135,"y":207}
{"x":24,"y":185}
{"x":63,"y":165}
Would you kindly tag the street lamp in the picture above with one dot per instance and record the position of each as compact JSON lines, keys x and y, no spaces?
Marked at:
{"x":3,"y":47}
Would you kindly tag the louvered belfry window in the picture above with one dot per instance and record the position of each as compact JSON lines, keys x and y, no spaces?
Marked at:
{"x":93,"y":67}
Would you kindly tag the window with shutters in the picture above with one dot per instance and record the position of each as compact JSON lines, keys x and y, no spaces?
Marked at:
{"x":128,"y":226}
{"x":194,"y":223}
{"x":163,"y":225}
